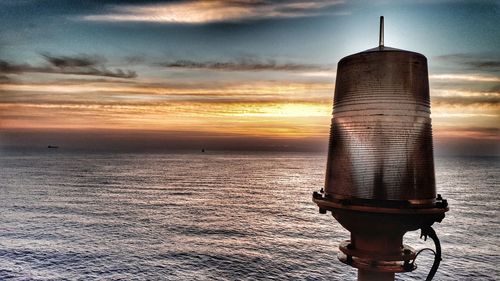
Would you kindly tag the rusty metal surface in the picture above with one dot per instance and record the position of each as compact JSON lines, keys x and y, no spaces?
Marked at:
{"x":328,"y":204}
{"x":376,"y":266}
{"x":404,"y":253}
{"x":381,"y":135}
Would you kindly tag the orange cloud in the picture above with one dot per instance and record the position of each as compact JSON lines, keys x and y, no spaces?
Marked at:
{"x":197,"y":12}
{"x":257,"y":108}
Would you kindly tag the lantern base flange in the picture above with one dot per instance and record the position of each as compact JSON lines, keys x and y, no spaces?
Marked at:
{"x":376,"y":246}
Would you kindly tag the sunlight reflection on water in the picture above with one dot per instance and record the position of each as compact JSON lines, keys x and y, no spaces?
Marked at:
{"x":213,"y":216}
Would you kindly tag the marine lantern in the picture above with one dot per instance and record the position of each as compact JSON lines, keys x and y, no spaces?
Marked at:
{"x":380,"y":171}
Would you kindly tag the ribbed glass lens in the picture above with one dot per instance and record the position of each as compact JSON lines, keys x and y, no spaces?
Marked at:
{"x":381,"y":136}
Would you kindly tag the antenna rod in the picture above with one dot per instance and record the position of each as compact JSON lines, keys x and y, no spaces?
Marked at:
{"x":381,"y":34}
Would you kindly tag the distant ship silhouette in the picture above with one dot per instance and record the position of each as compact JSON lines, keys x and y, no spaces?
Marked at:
{"x":53,"y":146}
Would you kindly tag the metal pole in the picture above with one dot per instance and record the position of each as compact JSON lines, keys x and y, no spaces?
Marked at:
{"x":378,"y":242}
{"x":365,"y":275}
{"x":381,"y":33}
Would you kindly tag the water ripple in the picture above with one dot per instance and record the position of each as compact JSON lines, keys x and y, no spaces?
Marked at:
{"x":213,"y":217}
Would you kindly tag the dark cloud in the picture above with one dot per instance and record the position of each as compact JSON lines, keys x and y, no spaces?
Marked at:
{"x":82,"y":81}
{"x":4,"y":78}
{"x":484,"y":132}
{"x":6,"y":67}
{"x":70,"y":62}
{"x":487,"y":64}
{"x":244,"y":65}
{"x":474,"y":61}
{"x":77,"y":65}
{"x":490,"y":101}
{"x":495,"y":88}
{"x":491,"y":130}
{"x":135,"y":59}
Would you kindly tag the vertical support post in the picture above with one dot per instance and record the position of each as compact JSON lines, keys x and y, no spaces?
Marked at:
{"x":383,"y":240}
{"x":365,"y":275}
{"x":381,"y":33}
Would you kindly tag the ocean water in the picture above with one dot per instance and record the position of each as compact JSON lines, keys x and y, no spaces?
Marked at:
{"x":213,"y":216}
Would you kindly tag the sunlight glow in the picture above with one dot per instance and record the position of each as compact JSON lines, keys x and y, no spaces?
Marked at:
{"x":197,"y":12}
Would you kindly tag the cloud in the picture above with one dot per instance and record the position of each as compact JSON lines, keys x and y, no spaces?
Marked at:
{"x":109,"y":91}
{"x":244,"y":65}
{"x":487,"y":102}
{"x":78,"y":65}
{"x":66,"y":62}
{"x":474,"y":61}
{"x":455,"y":102}
{"x":199,"y":12}
{"x":470,"y":132}
{"x":4,"y":78}
{"x":135,"y":59}
{"x":465,"y":77}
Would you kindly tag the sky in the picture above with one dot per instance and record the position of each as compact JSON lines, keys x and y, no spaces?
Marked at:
{"x":234,"y":74}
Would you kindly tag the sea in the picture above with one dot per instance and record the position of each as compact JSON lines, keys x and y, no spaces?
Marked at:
{"x":214,"y":216}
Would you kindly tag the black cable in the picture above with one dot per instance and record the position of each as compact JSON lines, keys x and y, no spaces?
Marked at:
{"x":421,"y":250}
{"x":428,"y":231}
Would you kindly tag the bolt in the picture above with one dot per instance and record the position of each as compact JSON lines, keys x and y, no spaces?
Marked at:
{"x":349,"y":259}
